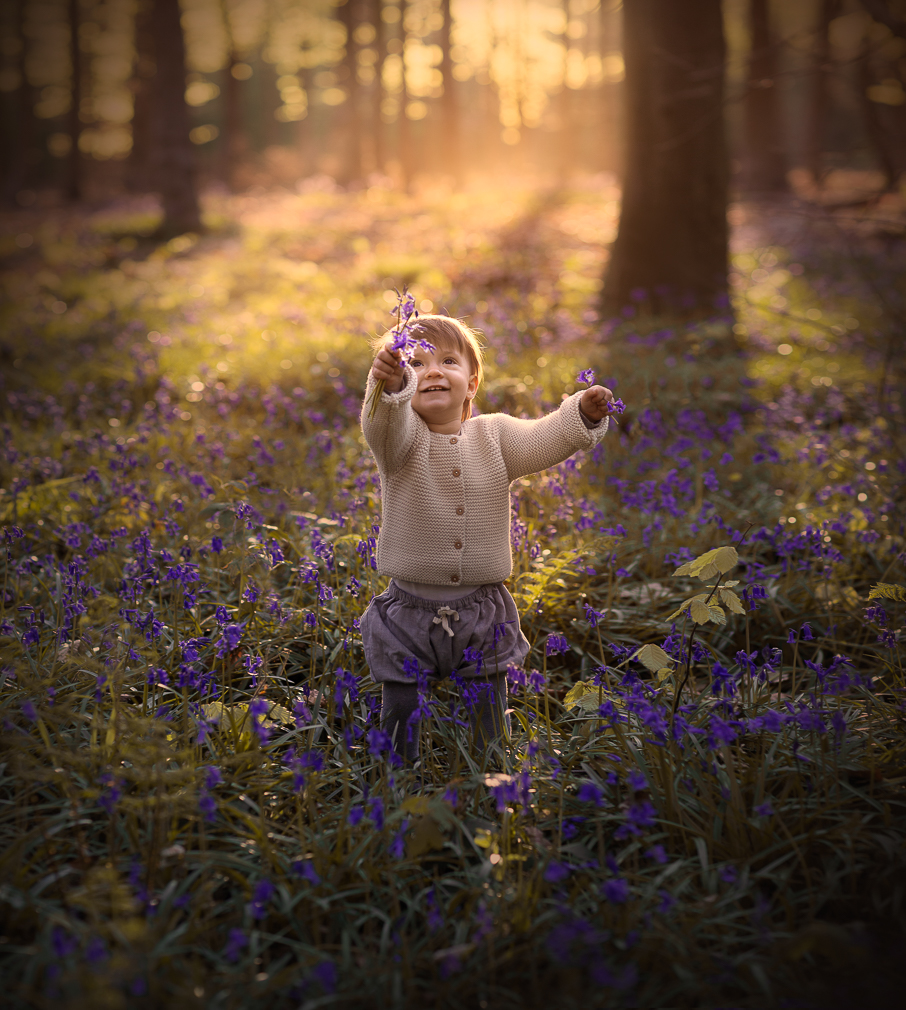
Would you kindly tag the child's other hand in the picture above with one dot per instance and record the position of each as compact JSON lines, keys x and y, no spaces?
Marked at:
{"x":594,"y":402}
{"x":387,"y":367}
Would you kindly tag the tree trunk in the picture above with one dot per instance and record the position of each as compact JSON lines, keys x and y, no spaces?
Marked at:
{"x":21,"y":149}
{"x":73,"y":188}
{"x":234,"y":144}
{"x":567,"y":146}
{"x":818,"y":99}
{"x":404,"y":131}
{"x":765,"y":163}
{"x":380,"y":146}
{"x":449,"y":108}
{"x":174,"y":164}
{"x":140,"y":168}
{"x":874,"y":126}
{"x":670,"y":254}
{"x":350,"y":125}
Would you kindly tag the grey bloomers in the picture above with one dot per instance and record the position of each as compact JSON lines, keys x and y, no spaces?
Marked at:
{"x":397,"y":628}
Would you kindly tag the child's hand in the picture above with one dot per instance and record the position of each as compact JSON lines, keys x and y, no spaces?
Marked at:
{"x":387,"y":367}
{"x":594,"y":402}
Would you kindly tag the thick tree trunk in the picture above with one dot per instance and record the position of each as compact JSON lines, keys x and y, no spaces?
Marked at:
{"x":449,"y":108}
{"x":670,"y":254}
{"x":21,"y":149}
{"x":73,"y":188}
{"x":174,"y":164}
{"x":818,"y":99}
{"x":764,"y":167}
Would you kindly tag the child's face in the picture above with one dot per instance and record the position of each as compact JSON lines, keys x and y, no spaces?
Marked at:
{"x":444,"y":382}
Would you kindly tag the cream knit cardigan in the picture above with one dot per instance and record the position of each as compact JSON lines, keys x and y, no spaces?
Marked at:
{"x":446,"y":498}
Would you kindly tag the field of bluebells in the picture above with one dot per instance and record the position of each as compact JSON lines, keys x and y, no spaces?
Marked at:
{"x":701,"y":801}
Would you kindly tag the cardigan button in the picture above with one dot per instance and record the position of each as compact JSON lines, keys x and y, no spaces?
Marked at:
{"x":454,"y":578}
{"x":458,"y":545}
{"x":460,"y":510}
{"x":457,"y":472}
{"x":453,"y":441}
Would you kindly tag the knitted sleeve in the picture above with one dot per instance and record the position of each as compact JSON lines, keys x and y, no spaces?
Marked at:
{"x":532,"y":446}
{"x":391,"y":432}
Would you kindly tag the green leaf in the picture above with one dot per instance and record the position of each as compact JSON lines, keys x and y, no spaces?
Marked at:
{"x":711,"y":563}
{"x":731,"y":601}
{"x":888,"y":591}
{"x":699,"y":611}
{"x":653,"y":657}
{"x":582,"y":694}
{"x":716,"y":614}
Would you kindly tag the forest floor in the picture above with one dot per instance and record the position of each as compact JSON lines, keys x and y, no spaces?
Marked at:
{"x":701,"y":798}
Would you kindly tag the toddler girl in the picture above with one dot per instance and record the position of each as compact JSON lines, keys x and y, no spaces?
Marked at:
{"x":445,"y":529}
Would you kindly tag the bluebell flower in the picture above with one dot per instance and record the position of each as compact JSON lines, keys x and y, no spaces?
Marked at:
{"x":306,"y":868}
{"x":261,"y":895}
{"x":237,"y":940}
{"x":616,"y":890}
{"x":556,"y":872}
{"x":588,"y":792}
{"x":556,"y":644}
{"x":587,"y":376}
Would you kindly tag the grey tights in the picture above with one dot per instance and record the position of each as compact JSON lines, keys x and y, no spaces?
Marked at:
{"x":487,"y":717}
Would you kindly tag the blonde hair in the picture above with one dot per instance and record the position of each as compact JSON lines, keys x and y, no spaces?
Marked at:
{"x":450,"y":334}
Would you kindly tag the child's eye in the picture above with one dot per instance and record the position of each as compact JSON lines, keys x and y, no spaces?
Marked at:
{"x":415,"y":362}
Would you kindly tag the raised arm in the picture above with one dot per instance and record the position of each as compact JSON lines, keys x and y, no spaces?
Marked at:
{"x":532,"y":446}
{"x":390,"y":431}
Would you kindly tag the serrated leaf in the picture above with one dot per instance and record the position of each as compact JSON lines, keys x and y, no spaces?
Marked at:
{"x":716,"y":614}
{"x":711,"y":563}
{"x":663,"y":674}
{"x":699,"y":612}
{"x":731,"y":601}
{"x":730,"y":584}
{"x":575,"y":694}
{"x":652,"y":657}
{"x":888,"y":591}
{"x":682,"y":610}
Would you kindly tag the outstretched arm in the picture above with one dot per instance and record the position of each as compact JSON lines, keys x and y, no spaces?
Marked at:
{"x":532,"y":446}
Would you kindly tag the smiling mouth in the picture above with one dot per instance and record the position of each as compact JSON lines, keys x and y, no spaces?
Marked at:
{"x":435,"y":389}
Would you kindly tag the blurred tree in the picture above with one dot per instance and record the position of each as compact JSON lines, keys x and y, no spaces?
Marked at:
{"x":816,"y":125}
{"x":670,"y":254}
{"x":567,"y":138}
{"x":404,"y":126}
{"x":449,"y":107}
{"x":234,"y":145}
{"x":764,"y":163}
{"x":885,"y":145}
{"x":174,"y":159}
{"x":889,"y":13}
{"x":139,"y":169}
{"x":20,"y":148}
{"x":348,"y":121}
{"x":378,"y":94}
{"x":881,"y":80}
{"x":73,"y":188}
